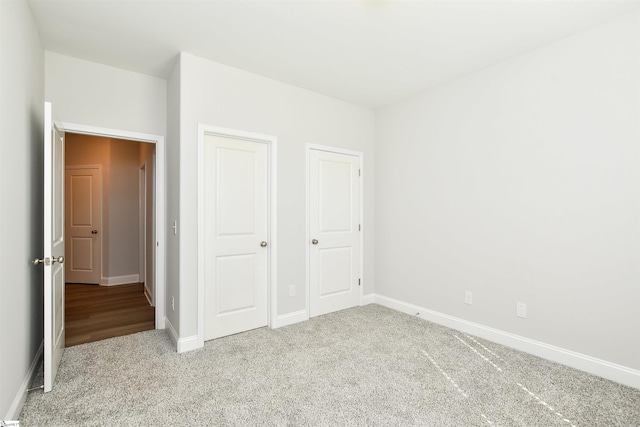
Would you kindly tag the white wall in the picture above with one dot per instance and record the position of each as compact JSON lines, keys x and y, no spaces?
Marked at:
{"x":520,"y":182}
{"x":92,"y":94}
{"x":89,"y":93}
{"x":21,"y":226}
{"x":173,"y":200}
{"x":219,"y":95}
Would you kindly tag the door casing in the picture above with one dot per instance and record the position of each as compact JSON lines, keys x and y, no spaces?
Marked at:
{"x":336,"y":150}
{"x":159,"y":201}
{"x":272,"y":143}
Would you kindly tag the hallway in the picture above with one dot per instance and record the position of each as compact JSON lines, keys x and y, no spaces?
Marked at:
{"x":94,"y":313}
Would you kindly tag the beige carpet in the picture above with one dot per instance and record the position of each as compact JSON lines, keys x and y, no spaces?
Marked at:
{"x":363,"y":366}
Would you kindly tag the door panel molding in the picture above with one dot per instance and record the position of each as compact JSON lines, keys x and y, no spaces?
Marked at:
{"x":272,"y":221}
{"x":329,"y":149}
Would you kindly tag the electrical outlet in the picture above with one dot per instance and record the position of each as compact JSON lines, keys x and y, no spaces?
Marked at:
{"x":468,"y":297}
{"x":173,"y":306}
{"x":521,"y":309}
{"x":292,"y":291}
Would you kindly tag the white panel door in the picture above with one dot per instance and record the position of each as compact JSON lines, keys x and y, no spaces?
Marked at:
{"x":83,"y":218}
{"x":236,"y":235}
{"x":334,"y":213}
{"x":53,"y":248}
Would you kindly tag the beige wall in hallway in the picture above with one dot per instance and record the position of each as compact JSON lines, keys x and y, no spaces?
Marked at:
{"x":120,"y":161}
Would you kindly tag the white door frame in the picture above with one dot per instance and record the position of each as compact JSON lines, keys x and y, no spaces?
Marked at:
{"x":142,"y":211}
{"x":360,"y":156}
{"x":160,"y":252}
{"x":272,"y":283}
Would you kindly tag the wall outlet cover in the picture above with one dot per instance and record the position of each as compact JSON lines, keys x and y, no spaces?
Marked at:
{"x":521,"y":309}
{"x":468,"y":297}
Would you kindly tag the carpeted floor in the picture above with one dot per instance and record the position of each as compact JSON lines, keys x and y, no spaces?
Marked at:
{"x":363,"y":366}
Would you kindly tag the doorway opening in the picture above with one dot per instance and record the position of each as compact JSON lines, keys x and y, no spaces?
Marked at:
{"x":110,"y":221}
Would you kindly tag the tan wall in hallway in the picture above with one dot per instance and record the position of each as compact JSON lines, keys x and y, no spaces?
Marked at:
{"x":120,"y":162}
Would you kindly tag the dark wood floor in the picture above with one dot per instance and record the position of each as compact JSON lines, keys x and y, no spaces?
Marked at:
{"x":94,"y":313}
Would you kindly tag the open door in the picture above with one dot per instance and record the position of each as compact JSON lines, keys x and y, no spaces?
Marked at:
{"x":334,"y":229}
{"x":53,"y":248}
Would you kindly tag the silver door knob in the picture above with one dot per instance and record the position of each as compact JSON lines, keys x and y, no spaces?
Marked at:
{"x":60,"y":260}
{"x":44,"y":261}
{"x":314,"y":241}
{"x":263,"y":244}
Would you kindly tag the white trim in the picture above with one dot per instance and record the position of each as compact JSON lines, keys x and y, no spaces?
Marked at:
{"x":80,"y":167}
{"x":291,"y":318}
{"x":307,"y":236}
{"x":182,"y":344}
{"x":120,"y":280}
{"x":337,"y":150}
{"x":188,"y":344}
{"x":160,"y":225}
{"x":173,"y":334}
{"x":142,"y":223}
{"x":272,"y":292}
{"x":21,"y":395}
{"x":369,"y":299}
{"x":273,"y":230}
{"x":360,"y":156}
{"x":146,"y":295}
{"x":603,"y":368}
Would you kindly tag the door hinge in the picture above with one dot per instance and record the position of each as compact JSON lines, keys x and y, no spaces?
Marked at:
{"x":359,"y":227}
{"x":358,"y":282}
{"x":359,"y":172}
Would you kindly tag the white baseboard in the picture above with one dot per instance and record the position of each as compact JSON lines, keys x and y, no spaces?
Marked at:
{"x":188,"y":344}
{"x":120,"y":280}
{"x":160,"y":321}
{"x":182,"y":344}
{"x":21,"y":396}
{"x":290,"y":319}
{"x":608,"y":370}
{"x":172,"y":332}
{"x":147,"y":295}
{"x":369,"y":299}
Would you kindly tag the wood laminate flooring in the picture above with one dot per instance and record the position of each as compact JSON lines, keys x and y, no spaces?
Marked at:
{"x":94,"y":313}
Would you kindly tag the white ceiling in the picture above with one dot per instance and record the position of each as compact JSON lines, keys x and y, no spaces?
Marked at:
{"x":368,"y":52}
